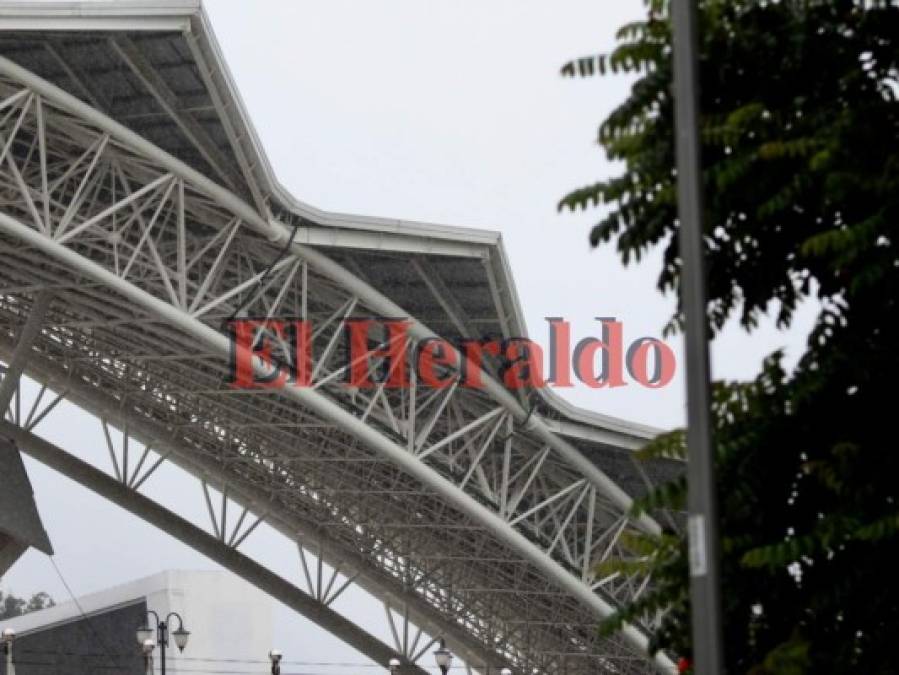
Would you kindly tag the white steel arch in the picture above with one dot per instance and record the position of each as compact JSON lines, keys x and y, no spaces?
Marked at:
{"x":116,"y":226}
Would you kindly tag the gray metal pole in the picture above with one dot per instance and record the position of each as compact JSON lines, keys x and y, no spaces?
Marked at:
{"x":163,"y":631}
{"x":10,"y":664}
{"x":705,"y":596}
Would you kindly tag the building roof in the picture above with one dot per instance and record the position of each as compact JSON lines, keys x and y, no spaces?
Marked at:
{"x":229,"y":621}
{"x":156,"y":67}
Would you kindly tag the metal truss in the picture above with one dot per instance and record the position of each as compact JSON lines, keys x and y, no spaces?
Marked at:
{"x":226,"y":554}
{"x":457,"y":506}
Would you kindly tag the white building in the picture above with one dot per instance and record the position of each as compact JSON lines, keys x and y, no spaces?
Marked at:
{"x":230,"y":624}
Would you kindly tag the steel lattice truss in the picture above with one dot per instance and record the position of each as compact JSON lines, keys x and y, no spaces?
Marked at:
{"x":457,"y":507}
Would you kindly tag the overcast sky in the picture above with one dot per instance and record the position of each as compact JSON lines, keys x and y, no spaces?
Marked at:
{"x":446,"y":111}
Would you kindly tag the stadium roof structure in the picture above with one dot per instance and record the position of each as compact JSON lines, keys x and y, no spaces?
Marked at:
{"x":138,"y":212}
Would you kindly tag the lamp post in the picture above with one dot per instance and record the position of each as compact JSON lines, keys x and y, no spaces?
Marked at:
{"x":444,"y":657}
{"x":275,"y":657}
{"x":394,"y":665}
{"x":702,"y":506}
{"x":148,"y":646}
{"x":145,"y":635}
{"x":9,"y":636}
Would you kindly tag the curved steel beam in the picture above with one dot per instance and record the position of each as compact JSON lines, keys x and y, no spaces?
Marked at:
{"x":213,"y":548}
{"x":149,"y":433}
{"x":311,"y":399}
{"x":280,"y":234}
{"x":218,"y":343}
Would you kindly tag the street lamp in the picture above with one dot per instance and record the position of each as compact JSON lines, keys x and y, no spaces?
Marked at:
{"x":147,"y":646}
{"x":275,"y":657}
{"x":8,"y":636}
{"x":145,"y":635}
{"x":443,"y":657}
{"x":395,"y":664}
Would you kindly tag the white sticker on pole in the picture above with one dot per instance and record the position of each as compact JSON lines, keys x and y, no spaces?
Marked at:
{"x":696,"y":535}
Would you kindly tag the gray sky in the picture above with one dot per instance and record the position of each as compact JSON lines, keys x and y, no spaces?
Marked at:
{"x":447,"y":111}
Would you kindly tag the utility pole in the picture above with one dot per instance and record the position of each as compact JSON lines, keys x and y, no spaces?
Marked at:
{"x":702,"y":523}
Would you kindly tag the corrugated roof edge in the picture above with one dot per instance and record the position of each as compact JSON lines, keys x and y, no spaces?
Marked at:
{"x":189,"y":17}
{"x":100,"y":8}
{"x":270,"y":183}
{"x":146,"y":15}
{"x":493,"y":240}
{"x":640,"y":432}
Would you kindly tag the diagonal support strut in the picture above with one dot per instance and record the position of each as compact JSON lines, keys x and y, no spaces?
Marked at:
{"x":30,"y":330}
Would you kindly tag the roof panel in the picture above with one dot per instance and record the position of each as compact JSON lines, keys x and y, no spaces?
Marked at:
{"x":175,"y":39}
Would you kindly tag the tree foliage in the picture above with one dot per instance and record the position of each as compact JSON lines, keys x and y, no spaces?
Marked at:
{"x":800,"y":143}
{"x":12,"y":606}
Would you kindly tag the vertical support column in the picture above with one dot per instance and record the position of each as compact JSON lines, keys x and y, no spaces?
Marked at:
{"x":30,"y":330}
{"x":705,"y":601}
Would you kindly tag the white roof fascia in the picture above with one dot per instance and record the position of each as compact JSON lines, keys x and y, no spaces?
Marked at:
{"x":582,"y":423}
{"x":389,"y":242}
{"x":240,"y":118}
{"x":147,"y":15}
